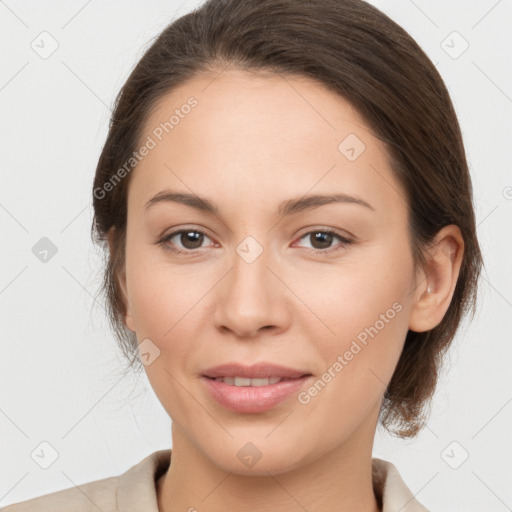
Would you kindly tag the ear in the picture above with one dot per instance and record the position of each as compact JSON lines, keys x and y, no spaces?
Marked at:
{"x":120,"y":278}
{"x":444,"y":260}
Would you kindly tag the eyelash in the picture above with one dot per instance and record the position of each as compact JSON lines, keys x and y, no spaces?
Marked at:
{"x":344,"y":241}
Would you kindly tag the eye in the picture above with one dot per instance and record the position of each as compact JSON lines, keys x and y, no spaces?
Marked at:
{"x":322,"y":239}
{"x":190,"y":239}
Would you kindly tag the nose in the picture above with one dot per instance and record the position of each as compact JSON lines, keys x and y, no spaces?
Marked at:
{"x":251,"y":299}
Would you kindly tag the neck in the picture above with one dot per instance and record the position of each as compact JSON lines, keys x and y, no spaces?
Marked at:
{"x":340,"y":480}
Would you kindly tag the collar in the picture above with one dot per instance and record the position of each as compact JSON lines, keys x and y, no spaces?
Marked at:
{"x":137,"y":486}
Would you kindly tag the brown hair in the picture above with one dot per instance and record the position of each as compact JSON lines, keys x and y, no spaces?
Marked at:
{"x":365,"y":57}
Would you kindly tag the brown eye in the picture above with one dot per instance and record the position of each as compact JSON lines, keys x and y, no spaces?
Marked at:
{"x":184,"y":240}
{"x":191,"y":239}
{"x":321,"y":241}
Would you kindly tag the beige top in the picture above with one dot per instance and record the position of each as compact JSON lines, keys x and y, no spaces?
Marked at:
{"x":135,"y":490}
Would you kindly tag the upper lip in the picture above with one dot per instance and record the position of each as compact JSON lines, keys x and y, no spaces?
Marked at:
{"x":255,"y":371}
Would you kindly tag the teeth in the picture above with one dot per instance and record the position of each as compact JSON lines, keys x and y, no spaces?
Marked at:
{"x":244,"y":381}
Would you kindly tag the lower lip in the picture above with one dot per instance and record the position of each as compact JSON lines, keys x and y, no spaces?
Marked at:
{"x":252,"y":399}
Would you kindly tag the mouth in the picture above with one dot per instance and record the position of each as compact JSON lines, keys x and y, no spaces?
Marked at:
{"x":253,"y":389}
{"x":243,"y":375}
{"x":257,"y":382}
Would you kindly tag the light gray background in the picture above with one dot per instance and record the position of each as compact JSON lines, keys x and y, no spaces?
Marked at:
{"x":59,"y":366}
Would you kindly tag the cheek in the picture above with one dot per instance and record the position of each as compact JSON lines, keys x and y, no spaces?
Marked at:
{"x":362,"y":322}
{"x":161,"y":296}
{"x":365,"y":347}
{"x":165,"y":304}
{"x":169,"y":305}
{"x":369,"y":325}
{"x":357,"y":300}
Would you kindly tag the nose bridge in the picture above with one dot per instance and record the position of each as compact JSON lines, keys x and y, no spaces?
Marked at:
{"x":249,"y":298}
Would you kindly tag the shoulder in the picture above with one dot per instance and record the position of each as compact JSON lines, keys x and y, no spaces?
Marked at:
{"x":134,"y":489}
{"x":99,"y":494}
{"x":391,"y":489}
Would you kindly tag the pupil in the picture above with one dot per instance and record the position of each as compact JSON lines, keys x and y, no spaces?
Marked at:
{"x":322,"y":237}
{"x":191,"y":236}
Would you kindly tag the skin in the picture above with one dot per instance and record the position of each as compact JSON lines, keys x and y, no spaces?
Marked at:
{"x":252,"y":142}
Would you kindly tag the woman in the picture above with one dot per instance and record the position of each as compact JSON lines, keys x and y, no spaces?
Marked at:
{"x":287,"y":209}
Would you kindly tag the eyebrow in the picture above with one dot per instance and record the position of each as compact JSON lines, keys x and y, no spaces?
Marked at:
{"x":286,"y":208}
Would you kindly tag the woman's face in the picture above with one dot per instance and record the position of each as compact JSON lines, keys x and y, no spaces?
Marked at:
{"x":252,"y":288}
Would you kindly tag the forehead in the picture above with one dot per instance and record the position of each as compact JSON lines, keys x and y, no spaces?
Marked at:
{"x":252,"y":133}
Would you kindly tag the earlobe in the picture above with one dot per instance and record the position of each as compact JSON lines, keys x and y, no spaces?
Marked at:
{"x":120,"y":278}
{"x":437,"y":285}
{"x":128,"y":320}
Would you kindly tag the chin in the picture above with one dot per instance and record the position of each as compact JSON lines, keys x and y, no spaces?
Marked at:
{"x":250,"y":460}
